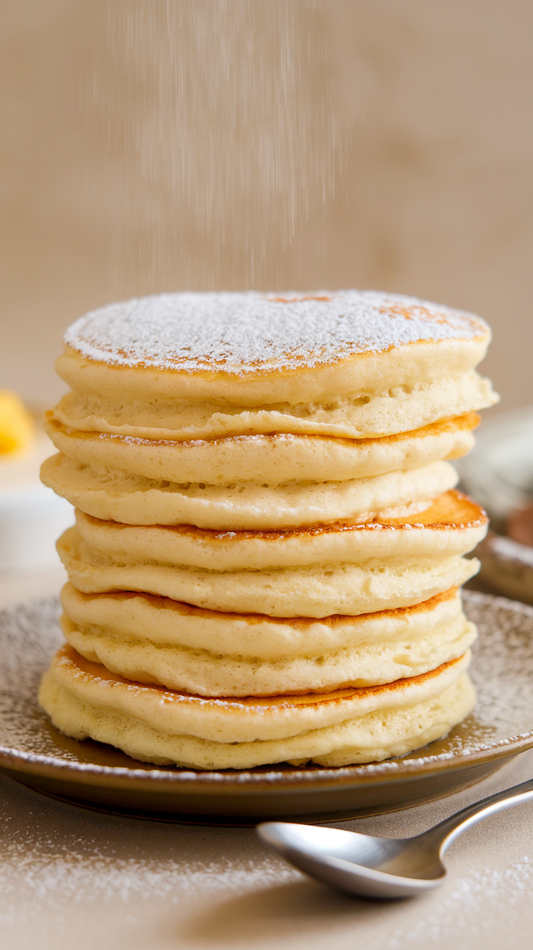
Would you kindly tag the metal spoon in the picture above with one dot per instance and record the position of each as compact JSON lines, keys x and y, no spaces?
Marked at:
{"x":381,"y":867}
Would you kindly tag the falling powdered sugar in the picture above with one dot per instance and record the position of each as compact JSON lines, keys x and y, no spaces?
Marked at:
{"x":243,"y":333}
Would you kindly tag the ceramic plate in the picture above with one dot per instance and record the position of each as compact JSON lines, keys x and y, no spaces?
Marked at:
{"x":98,"y":776}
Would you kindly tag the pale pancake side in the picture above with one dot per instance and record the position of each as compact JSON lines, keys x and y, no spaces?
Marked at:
{"x":396,"y":409}
{"x":161,"y":621}
{"x":308,"y":591}
{"x":242,"y":719}
{"x":273,"y":459}
{"x":256,"y":349}
{"x":208,"y":674}
{"x":248,"y":504}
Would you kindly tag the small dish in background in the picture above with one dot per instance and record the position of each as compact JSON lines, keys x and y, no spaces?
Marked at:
{"x":506,"y":568}
{"x":498,"y":473}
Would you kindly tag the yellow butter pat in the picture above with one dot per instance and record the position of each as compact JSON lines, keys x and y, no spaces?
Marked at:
{"x":16,"y":424}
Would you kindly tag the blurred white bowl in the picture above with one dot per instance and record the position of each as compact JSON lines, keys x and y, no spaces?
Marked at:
{"x":498,"y":472}
{"x":31,"y":516}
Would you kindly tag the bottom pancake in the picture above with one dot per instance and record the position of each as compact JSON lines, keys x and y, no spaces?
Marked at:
{"x":347,"y":726}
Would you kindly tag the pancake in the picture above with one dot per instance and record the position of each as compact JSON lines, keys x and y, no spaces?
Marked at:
{"x":337,"y":569}
{"x":361,"y":364}
{"x":113,"y":494}
{"x":307,"y":591}
{"x":210,"y":674}
{"x":452,"y":525}
{"x":248,"y":505}
{"x":109,"y":495}
{"x":162,"y":621}
{"x":393,"y":410}
{"x":268,"y":459}
{"x":168,"y":727}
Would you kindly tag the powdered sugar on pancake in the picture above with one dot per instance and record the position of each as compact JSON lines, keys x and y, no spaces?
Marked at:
{"x":242,"y":333}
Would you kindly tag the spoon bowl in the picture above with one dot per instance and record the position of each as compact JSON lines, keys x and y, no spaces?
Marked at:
{"x":381,"y":867}
{"x":359,"y":864}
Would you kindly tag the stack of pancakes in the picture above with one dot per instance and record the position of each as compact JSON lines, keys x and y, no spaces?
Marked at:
{"x":269,"y":547}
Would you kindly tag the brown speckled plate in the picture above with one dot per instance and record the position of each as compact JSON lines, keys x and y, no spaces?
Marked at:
{"x":98,"y":776}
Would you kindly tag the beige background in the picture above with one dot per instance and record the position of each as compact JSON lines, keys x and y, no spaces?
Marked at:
{"x":282,"y":145}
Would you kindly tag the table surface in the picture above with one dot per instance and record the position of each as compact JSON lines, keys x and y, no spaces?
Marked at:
{"x":70,"y":877}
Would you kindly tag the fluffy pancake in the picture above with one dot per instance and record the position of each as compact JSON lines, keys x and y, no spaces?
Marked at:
{"x":206,"y":673}
{"x":111,"y":493}
{"x":397,"y":409}
{"x":248,"y":505}
{"x":162,"y":621}
{"x":371,"y":567}
{"x":308,"y":591}
{"x":452,"y":525}
{"x":139,"y":360}
{"x":156,"y":725}
{"x":267,"y":459}
{"x":350,"y":364}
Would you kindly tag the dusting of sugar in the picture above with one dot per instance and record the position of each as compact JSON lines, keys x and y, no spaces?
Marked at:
{"x":243,"y":333}
{"x":476,"y":901}
{"x":55,"y":860}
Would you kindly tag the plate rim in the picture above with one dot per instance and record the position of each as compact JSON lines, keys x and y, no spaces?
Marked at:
{"x":248,"y":781}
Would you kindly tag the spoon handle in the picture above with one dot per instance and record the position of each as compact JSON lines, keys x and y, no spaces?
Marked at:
{"x":446,"y":831}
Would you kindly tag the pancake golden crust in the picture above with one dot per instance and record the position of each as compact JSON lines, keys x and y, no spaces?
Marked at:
{"x":454,"y":509}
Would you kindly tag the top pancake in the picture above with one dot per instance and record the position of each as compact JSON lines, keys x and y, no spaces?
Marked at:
{"x":253,"y":347}
{"x":243,"y":333}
